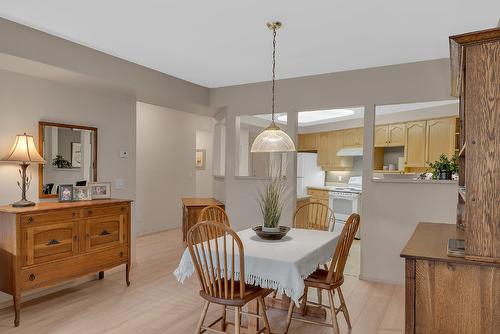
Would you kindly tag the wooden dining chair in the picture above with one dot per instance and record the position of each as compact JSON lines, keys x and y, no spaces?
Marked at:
{"x":314,"y":216}
{"x":214,"y":213}
{"x":219,"y":260}
{"x":331,"y":280}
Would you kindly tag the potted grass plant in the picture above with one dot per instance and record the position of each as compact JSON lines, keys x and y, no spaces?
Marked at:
{"x":272,"y":199}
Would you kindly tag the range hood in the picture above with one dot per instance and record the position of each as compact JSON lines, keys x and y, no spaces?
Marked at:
{"x":350,"y":152}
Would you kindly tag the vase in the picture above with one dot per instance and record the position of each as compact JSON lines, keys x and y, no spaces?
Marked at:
{"x":444,"y":175}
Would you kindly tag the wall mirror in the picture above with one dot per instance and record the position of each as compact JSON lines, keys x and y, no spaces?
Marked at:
{"x":70,"y":152}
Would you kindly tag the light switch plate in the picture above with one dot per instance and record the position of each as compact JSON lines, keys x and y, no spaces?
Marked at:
{"x":119,"y":184}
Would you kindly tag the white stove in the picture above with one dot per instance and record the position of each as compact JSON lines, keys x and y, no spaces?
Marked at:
{"x":345,"y":200}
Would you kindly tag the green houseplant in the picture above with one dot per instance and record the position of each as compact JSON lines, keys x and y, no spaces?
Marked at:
{"x":272,"y":198}
{"x":444,"y":168}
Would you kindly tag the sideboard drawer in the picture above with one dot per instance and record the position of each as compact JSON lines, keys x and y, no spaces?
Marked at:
{"x":52,"y":217}
{"x":107,"y":231}
{"x":55,"y":271}
{"x":105,"y":211}
{"x":49,"y":242}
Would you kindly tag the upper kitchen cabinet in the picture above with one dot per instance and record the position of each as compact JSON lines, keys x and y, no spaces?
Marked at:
{"x":353,"y":137}
{"x":389,"y":135}
{"x":396,"y":134}
{"x":380,"y":138}
{"x":440,"y":138}
{"x":307,"y":142}
{"x":414,"y":151}
{"x":329,"y":143}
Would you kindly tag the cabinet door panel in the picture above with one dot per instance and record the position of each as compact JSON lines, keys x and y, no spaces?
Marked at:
{"x":440,"y":138}
{"x":353,"y":137}
{"x":396,"y":134}
{"x":49,"y":242}
{"x":380,"y":139}
{"x":308,"y":142}
{"x":415,"y":144}
{"x":336,"y":143}
{"x":105,"y":232}
{"x":323,"y":149}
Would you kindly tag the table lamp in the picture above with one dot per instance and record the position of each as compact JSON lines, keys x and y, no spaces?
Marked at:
{"x":23,"y":152}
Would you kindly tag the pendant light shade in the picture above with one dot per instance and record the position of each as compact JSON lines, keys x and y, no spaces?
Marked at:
{"x":273,"y":139}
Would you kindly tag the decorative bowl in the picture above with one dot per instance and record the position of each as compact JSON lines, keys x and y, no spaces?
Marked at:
{"x":271,"y":235}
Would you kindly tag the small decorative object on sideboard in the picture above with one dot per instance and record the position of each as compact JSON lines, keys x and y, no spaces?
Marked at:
{"x":101,"y":190}
{"x":24,"y":152}
{"x":82,"y":193}
{"x":65,"y":193}
{"x":271,"y":202}
{"x":444,"y":168}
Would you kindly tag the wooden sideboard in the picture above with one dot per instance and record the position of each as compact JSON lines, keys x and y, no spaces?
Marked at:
{"x":448,"y":294}
{"x":53,"y":242}
{"x":191,"y":208}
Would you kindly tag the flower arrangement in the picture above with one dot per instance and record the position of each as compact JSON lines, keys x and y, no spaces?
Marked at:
{"x":443,"y":168}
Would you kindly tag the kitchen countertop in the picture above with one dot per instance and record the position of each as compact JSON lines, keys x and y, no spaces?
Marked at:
{"x":415,"y":181}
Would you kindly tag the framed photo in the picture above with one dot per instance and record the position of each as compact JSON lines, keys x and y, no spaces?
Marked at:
{"x":65,"y":193}
{"x":200,"y":158}
{"x":76,"y":155}
{"x":100,"y":190}
{"x":82,"y":193}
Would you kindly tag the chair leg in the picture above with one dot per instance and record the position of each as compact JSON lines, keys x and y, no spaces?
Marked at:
{"x":335,"y":323}
{"x":202,"y":318}
{"x":237,"y":324}
{"x":262,"y":305}
{"x":343,"y":307}
{"x":289,"y":316}
{"x":223,"y":321}
{"x":303,"y":306}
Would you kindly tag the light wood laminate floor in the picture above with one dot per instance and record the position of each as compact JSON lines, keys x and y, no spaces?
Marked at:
{"x":156,"y":303}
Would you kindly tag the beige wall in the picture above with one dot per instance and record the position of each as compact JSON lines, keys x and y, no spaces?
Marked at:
{"x":204,"y":177}
{"x":166,"y":144}
{"x":390,"y":211}
{"x":25,"y":100}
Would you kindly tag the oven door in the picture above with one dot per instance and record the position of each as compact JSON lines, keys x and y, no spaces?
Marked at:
{"x":342,"y":208}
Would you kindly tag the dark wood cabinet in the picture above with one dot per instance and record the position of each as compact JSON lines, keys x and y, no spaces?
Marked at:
{"x":53,"y":242}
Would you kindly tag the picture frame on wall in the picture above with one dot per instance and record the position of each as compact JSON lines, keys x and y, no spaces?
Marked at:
{"x":65,"y":193}
{"x":200,"y":158}
{"x":101,"y":190}
{"x":82,"y":193}
{"x":76,"y":155}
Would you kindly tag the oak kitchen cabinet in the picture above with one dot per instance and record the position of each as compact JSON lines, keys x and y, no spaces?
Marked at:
{"x":440,"y":138}
{"x":414,"y":152}
{"x":319,"y":195}
{"x":307,"y":142}
{"x":353,"y":137}
{"x":329,"y":144}
{"x":390,"y":135}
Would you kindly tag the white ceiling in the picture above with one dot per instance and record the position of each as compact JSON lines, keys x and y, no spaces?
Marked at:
{"x":225,"y":42}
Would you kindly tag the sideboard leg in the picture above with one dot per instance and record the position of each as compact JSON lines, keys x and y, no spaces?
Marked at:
{"x":101,"y":275}
{"x":127,"y":274}
{"x":17,"y":308}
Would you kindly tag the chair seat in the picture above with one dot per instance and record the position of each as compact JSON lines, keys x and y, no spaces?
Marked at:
{"x":318,"y":280}
{"x":251,"y":292}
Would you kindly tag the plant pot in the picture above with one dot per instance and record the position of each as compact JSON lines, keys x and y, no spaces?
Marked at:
{"x":270,"y":229}
{"x":444,"y":176}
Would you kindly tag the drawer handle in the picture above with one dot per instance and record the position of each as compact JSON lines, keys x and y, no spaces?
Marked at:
{"x":123,"y":208}
{"x":90,"y":212}
{"x":121,"y":254}
{"x":104,"y":232}
{"x":73,"y":214}
{"x":30,"y":220}
{"x":53,"y":242}
{"x":32,"y":277}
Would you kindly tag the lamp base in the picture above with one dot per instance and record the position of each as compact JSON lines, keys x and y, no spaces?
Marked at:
{"x":22,"y":203}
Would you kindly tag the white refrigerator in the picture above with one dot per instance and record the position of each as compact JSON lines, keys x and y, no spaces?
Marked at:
{"x":309,"y":174}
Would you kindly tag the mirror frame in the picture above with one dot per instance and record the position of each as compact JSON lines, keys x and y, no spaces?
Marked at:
{"x":41,"y":125}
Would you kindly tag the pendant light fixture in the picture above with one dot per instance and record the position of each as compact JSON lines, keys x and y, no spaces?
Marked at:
{"x":273,"y":139}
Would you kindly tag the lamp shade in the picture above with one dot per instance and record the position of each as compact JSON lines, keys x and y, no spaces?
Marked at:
{"x":24,"y":151}
{"x":273,"y":139}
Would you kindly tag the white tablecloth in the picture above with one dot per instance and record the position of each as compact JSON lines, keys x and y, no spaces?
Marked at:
{"x":280,"y":265}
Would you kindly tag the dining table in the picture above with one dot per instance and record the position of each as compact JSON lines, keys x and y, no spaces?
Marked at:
{"x":280,"y":265}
